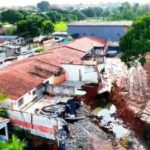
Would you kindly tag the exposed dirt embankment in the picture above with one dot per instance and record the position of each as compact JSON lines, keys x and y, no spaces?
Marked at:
{"x":91,"y":92}
{"x":128,"y":115}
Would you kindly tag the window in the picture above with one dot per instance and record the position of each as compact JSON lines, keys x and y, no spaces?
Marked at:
{"x":34,"y":92}
{"x":20,"y":102}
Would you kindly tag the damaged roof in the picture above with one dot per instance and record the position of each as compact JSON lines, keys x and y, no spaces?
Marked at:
{"x":18,"y":79}
{"x":23,"y":76}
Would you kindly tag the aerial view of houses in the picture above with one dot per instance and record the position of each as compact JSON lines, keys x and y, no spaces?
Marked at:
{"x":75,"y":76}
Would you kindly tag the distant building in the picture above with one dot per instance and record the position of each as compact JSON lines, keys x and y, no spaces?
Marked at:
{"x":11,"y":40}
{"x":109,"y":30}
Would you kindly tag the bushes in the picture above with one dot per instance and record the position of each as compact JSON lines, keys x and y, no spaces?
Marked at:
{"x":3,"y":95}
{"x":13,"y":144}
{"x":39,"y":50}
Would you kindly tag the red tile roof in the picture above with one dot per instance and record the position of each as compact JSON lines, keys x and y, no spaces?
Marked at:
{"x":23,"y":76}
{"x":18,"y":79}
{"x":63,"y":54}
{"x":86,"y":43}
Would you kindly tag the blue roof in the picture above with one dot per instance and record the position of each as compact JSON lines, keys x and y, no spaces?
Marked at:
{"x":8,"y":37}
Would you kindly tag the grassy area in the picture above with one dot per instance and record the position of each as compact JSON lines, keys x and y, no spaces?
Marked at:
{"x":62,"y":26}
{"x":38,"y":50}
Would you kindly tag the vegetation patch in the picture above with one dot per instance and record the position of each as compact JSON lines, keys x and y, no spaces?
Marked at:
{"x":3,"y":96}
{"x":62,"y":26}
{"x":13,"y":144}
{"x":39,"y":50}
{"x":3,"y":112}
{"x":136,"y":42}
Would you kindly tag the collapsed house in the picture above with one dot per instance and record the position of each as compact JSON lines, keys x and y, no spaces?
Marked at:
{"x":49,"y":78}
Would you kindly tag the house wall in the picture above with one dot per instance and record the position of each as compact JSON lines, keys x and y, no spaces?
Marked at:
{"x":2,"y":55}
{"x":56,"y":79}
{"x":59,"y":79}
{"x":106,"y":32}
{"x":9,"y":52}
{"x":7,"y":103}
{"x":80,"y":72}
{"x":35,"y":93}
{"x":19,"y":41}
{"x":27,"y":98}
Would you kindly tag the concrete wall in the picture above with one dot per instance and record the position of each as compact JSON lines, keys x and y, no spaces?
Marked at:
{"x":61,"y":90}
{"x":80,"y":73}
{"x":36,"y":124}
{"x":106,"y":32}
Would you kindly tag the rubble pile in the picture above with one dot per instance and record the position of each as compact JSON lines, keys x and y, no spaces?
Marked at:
{"x":85,"y":134}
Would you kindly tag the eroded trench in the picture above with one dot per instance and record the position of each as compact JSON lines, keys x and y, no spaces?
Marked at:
{"x":117,"y":119}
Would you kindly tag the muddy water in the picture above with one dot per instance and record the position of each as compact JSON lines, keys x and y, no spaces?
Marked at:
{"x":108,"y":117}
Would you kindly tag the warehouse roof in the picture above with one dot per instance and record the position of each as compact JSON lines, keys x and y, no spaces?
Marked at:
{"x":100,"y":23}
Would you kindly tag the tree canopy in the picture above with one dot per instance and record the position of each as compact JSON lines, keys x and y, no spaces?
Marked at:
{"x":47,"y":27}
{"x":12,"y":16}
{"x":43,"y":6}
{"x":136,"y":42}
{"x":54,"y":16}
{"x":34,"y":26}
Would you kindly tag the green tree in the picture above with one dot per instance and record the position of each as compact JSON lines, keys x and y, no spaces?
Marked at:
{"x":3,"y":112}
{"x":98,"y":11}
{"x":13,"y":144}
{"x":43,"y":6}
{"x":47,"y":27}
{"x":106,"y":13}
{"x":54,"y":16}
{"x":12,"y":16}
{"x":28,"y":28}
{"x":11,"y":30}
{"x":67,"y":18}
{"x":79,"y":15}
{"x":89,"y":12}
{"x":136,"y":42}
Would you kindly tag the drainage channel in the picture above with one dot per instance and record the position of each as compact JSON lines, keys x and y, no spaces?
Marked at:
{"x":108,"y":117}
